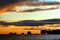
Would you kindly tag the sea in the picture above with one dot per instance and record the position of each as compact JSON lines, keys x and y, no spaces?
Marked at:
{"x":30,"y":37}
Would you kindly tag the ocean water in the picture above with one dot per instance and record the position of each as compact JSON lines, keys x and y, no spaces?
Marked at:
{"x":29,"y":37}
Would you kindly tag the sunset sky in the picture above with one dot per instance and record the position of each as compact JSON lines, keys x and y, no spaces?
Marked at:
{"x":18,"y":10}
{"x":37,"y":15}
{"x":12,"y":16}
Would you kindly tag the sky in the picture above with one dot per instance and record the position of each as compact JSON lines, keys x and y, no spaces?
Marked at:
{"x":13,"y":11}
{"x":13,"y":16}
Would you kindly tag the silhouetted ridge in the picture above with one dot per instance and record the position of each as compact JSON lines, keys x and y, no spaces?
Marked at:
{"x":31,"y":22}
{"x":4,"y":23}
{"x":50,"y":21}
{"x":26,"y":23}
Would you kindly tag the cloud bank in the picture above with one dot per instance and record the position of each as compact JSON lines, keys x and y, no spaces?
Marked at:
{"x":7,"y":5}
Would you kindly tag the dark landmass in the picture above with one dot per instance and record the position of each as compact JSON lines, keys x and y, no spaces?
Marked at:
{"x":31,"y":22}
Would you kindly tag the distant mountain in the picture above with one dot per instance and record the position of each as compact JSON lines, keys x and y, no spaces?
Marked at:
{"x":4,"y":23}
{"x":31,"y":22}
{"x":26,"y":23}
{"x":50,"y":21}
{"x":35,"y":23}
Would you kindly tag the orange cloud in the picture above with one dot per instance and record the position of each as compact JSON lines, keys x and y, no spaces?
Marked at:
{"x":12,"y":6}
{"x":6,"y":8}
{"x":9,"y":7}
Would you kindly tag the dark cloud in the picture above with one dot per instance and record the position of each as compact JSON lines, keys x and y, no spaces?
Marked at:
{"x":37,"y":9}
{"x":31,"y":22}
{"x":30,"y":10}
{"x":29,"y":2}
{"x":41,"y":2}
{"x":6,"y":2}
{"x":6,"y":5}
